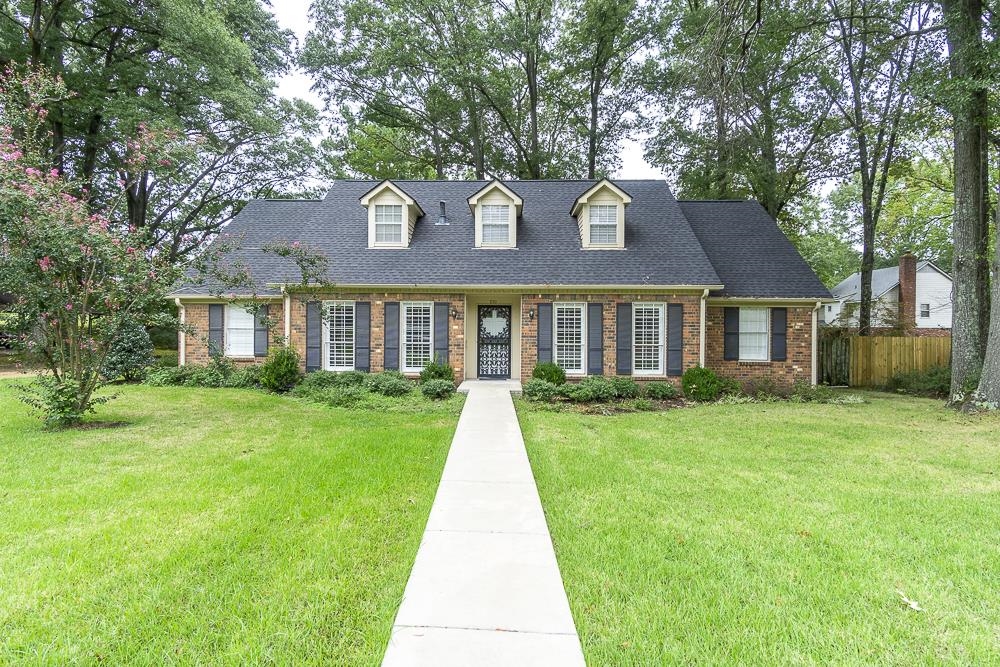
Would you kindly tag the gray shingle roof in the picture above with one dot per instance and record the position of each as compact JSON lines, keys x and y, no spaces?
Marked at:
{"x":883,"y":280}
{"x":661,"y":248}
{"x":749,"y":252}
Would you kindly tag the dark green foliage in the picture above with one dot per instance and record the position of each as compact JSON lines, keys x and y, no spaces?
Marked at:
{"x":437,"y":388}
{"x":437,"y":371}
{"x":130,"y":353}
{"x":804,"y":392}
{"x":539,"y":390}
{"x":762,"y":388}
{"x":323,"y":379}
{"x":247,"y":377}
{"x":642,"y":404}
{"x":934,"y":382}
{"x":341,"y":396}
{"x":625,"y":388}
{"x":660,"y":391}
{"x":58,"y":401}
{"x":166,"y":357}
{"x":389,"y":383}
{"x":549,"y":372}
{"x":280,"y":372}
{"x":590,"y":390}
{"x":703,"y":384}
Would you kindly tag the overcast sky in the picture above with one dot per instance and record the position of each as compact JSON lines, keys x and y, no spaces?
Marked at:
{"x":292,"y":14}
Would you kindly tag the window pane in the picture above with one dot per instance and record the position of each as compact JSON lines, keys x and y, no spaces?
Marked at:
{"x":603,"y":224}
{"x":496,"y":222}
{"x":417,"y":329}
{"x":239,"y":332}
{"x":388,"y":223}
{"x":569,"y":337}
{"x":753,"y":334}
{"x":647,"y":337}
{"x":340,"y":321}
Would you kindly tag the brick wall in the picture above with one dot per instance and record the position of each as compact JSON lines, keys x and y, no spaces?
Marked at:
{"x":196,"y":343}
{"x":456,"y":328}
{"x":529,"y":327}
{"x":797,"y":367}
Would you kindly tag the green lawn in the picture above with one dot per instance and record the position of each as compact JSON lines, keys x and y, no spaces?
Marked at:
{"x":776,"y":533}
{"x":219,"y":527}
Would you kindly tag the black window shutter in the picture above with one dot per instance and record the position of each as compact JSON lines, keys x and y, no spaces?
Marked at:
{"x":216,"y":319}
{"x":260,"y":332}
{"x":731,"y":347}
{"x":441,"y":332}
{"x":595,"y":338}
{"x":623,"y":339}
{"x":362,"y":336}
{"x":314,"y":336}
{"x":544,"y":332}
{"x":779,"y":334}
{"x":675,"y":339}
{"x":391,"y":341}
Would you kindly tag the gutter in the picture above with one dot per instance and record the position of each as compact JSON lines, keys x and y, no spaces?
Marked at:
{"x":509,"y":287}
{"x":182,"y":342}
{"x":815,"y":343}
{"x":286,"y":307}
{"x":702,"y":334}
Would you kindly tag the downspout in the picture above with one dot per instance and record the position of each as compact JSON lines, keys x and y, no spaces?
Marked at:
{"x":287,"y":308}
{"x":182,"y":337}
{"x":815,"y":344}
{"x":702,"y":336}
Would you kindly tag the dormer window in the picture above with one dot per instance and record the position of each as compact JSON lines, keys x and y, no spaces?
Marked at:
{"x":600,"y":213}
{"x":496,"y":209}
{"x":392,"y":215}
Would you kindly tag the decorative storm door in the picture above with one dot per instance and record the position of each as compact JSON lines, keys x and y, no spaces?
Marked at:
{"x":494,"y":341}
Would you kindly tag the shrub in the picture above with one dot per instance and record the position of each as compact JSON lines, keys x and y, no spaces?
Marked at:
{"x":342,"y":396}
{"x":59,"y":400}
{"x":643,"y":404}
{"x":280,"y":372}
{"x":130,"y":353}
{"x":803,"y":392}
{"x":247,"y":377}
{"x":389,"y":383}
{"x":212,"y":376}
{"x":539,"y":390}
{"x":934,"y":382}
{"x":168,"y":375}
{"x":549,"y":372}
{"x":166,"y":358}
{"x":590,"y":390}
{"x":324,"y":379}
{"x":762,"y":388}
{"x":437,"y":388}
{"x":437,"y":371}
{"x":625,"y":388}
{"x":661,"y":391}
{"x":704,"y":384}
{"x":350,"y":378}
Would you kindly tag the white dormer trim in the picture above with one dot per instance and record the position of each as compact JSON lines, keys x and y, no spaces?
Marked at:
{"x":496,"y":193}
{"x":602,"y":193}
{"x":388,"y":193}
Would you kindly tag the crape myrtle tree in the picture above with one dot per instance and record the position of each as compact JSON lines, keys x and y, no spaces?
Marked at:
{"x":74,"y":276}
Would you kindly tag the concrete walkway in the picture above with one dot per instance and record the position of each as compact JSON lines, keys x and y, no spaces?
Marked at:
{"x":485,"y":587}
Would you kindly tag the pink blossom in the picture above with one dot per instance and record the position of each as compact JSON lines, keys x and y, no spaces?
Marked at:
{"x":45,"y":263}
{"x":12,"y":156}
{"x":31,"y":171}
{"x":295,"y":244}
{"x":164,"y":163}
{"x":54,"y":173}
{"x":69,"y":306}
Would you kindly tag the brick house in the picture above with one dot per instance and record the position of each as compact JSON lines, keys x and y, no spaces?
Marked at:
{"x":601,"y":277}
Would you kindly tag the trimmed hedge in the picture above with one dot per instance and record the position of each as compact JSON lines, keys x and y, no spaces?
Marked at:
{"x":549,"y":372}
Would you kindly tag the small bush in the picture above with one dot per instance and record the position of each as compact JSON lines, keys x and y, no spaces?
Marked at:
{"x":437,"y":388}
{"x":350,"y":379}
{"x":704,"y":384}
{"x":247,"y":377}
{"x":539,"y":390}
{"x":643,"y":404}
{"x":324,"y":379}
{"x":590,"y":390}
{"x":661,"y":391}
{"x":934,"y":382}
{"x":131,"y":353}
{"x":167,"y":376}
{"x":762,"y":388}
{"x":166,"y":358}
{"x":437,"y":371}
{"x":389,"y":383}
{"x":803,"y":392}
{"x":280,"y":372}
{"x":58,"y":400}
{"x":343,"y":396}
{"x":549,"y":372}
{"x":625,"y":388}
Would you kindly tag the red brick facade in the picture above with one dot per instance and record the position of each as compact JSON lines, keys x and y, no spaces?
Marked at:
{"x":797,"y":367}
{"x":196,"y":342}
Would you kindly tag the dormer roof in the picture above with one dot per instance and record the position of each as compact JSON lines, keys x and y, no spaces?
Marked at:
{"x":594,"y":189}
{"x":496,"y":185}
{"x":399,"y":192}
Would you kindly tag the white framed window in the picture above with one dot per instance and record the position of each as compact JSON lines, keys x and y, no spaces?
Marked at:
{"x":418,"y":335}
{"x":388,"y":223}
{"x":603,"y":224}
{"x":496,"y":224}
{"x":925,"y":310}
{"x":340,"y":336}
{"x":647,"y":338}
{"x":239,"y":331}
{"x":754,"y":334}
{"x":570,"y":334}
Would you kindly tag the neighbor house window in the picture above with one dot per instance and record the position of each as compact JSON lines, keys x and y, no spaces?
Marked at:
{"x":388,"y":223}
{"x":753,"y":334}
{"x":340,"y":340}
{"x":496,"y":224}
{"x":239,"y":332}
{"x":569,"y":336}
{"x":418,"y":345}
{"x":925,"y":310}
{"x":647,"y":338}
{"x":603,"y":224}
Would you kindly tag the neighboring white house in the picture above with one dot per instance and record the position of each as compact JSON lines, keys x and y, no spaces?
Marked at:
{"x":928,"y":307}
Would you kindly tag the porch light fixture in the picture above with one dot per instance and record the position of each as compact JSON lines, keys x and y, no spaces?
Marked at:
{"x":531,"y":314}
{"x":455,"y":315}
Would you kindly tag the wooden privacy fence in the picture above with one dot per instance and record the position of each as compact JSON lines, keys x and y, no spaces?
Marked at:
{"x":870,"y":361}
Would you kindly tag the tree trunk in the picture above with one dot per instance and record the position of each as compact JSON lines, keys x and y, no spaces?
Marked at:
{"x":989,"y":382}
{"x":595,"y":98}
{"x":867,"y":264}
{"x":963,"y":20}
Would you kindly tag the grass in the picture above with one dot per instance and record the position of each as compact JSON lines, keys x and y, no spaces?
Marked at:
{"x":218,"y":527}
{"x":776,"y":533}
